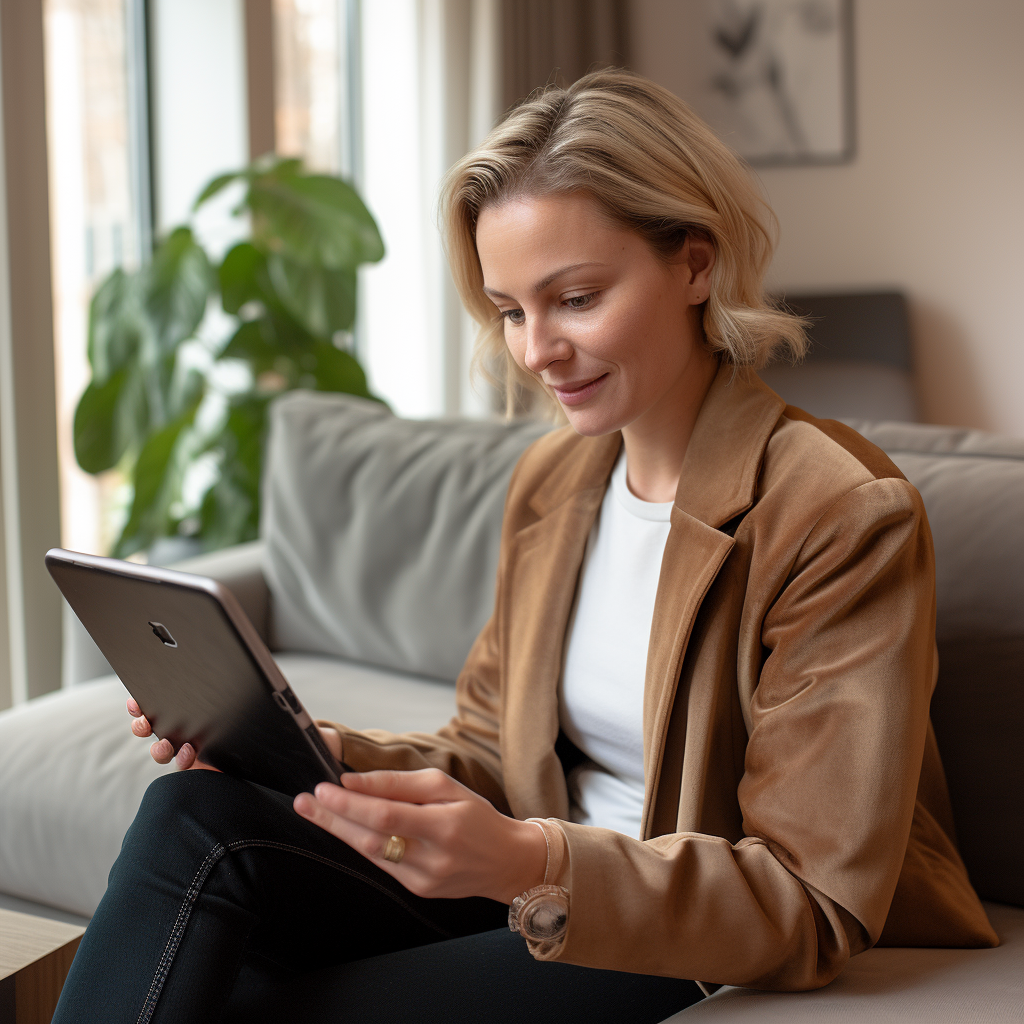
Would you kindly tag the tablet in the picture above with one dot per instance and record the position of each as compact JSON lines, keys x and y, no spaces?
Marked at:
{"x":189,"y":655}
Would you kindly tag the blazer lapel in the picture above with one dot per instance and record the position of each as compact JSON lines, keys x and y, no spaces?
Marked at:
{"x":718,"y":482}
{"x":542,"y":574}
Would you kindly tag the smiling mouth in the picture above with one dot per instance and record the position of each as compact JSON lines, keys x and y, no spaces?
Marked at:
{"x":577,"y":392}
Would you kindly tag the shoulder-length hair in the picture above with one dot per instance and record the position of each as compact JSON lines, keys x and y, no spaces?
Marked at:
{"x":655,"y":167}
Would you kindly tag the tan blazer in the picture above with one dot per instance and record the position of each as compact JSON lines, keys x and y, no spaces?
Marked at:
{"x":796,"y":810}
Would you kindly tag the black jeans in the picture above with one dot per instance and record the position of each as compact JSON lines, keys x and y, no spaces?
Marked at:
{"x":225,"y":905}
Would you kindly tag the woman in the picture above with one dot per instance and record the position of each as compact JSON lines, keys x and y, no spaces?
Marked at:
{"x":693,"y":737}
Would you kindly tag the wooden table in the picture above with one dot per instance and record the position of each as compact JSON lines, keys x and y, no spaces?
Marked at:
{"x":35,"y":957}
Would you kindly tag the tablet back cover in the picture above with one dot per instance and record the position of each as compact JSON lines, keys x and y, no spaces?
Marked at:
{"x":180,"y":656}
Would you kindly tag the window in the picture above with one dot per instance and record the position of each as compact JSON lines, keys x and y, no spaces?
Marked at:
{"x":372,"y":91}
{"x":311,"y":116}
{"x":94,"y":220}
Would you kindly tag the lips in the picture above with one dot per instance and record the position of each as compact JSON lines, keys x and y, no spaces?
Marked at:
{"x":576,"y":392}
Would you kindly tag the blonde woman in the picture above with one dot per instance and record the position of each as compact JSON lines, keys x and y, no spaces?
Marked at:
{"x":692,"y":744}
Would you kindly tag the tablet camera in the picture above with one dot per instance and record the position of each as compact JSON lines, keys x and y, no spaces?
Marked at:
{"x":164,"y":634}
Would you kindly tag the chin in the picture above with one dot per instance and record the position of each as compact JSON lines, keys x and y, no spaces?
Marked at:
{"x":591,"y":422}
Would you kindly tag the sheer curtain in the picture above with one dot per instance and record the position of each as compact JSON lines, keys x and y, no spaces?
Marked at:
{"x":431,"y":91}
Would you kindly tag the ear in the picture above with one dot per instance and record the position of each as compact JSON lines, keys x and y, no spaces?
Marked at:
{"x":698,"y":255}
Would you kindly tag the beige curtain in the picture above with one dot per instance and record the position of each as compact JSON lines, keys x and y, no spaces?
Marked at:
{"x":30,"y":605}
{"x":546,"y":41}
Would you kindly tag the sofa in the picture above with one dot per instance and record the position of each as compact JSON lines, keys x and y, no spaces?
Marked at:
{"x":373,"y":574}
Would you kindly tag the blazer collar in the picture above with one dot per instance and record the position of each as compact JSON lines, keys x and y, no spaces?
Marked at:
{"x":719,"y":474}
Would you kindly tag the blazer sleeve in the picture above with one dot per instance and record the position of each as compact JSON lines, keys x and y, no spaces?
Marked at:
{"x":837,"y":725}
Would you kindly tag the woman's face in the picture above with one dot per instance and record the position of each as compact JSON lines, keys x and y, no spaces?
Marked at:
{"x":590,"y":310}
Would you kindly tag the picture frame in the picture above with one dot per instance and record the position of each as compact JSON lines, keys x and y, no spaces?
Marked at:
{"x":774,"y":78}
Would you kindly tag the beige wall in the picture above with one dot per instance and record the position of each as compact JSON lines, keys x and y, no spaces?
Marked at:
{"x":932,"y":202}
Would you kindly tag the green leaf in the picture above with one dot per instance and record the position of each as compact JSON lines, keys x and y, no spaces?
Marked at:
{"x":216,"y":185}
{"x":133,"y":418}
{"x":98,"y":443}
{"x":338,"y":371}
{"x":240,"y":275}
{"x":314,"y":219}
{"x":157,"y":476}
{"x":176,"y":288}
{"x":268,"y":164}
{"x":250,"y":343}
{"x":186,"y":390}
{"x":111,"y":419}
{"x":322,"y":300}
{"x":228,"y":515}
{"x":116,"y":325}
{"x":230,"y":510}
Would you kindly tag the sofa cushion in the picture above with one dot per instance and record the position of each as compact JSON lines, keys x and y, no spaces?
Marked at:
{"x":895,"y":986}
{"x":972,"y":484}
{"x":382,"y":533}
{"x":72,"y":775}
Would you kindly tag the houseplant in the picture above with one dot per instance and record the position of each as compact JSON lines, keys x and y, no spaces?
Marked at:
{"x":159,"y":405}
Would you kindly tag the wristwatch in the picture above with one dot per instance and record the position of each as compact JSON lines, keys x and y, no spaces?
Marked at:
{"x":541,"y":914}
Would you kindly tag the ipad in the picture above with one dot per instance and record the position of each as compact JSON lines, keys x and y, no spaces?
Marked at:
{"x":189,"y":655}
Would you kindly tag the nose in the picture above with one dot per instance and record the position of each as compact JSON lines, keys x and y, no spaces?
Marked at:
{"x":544,"y":345}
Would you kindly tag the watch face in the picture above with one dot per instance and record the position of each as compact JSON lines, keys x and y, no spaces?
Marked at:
{"x":544,"y":916}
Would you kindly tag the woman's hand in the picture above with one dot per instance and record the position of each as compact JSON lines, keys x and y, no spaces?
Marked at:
{"x":456,"y":843}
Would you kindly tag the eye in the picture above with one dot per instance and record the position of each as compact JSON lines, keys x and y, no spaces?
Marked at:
{"x":516,"y":317}
{"x":580,"y":301}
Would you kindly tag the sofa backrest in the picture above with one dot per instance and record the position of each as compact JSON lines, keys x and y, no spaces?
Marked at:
{"x":972,"y":484}
{"x":382,"y":533}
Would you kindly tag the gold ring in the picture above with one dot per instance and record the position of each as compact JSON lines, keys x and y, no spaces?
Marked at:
{"x":394,"y":849}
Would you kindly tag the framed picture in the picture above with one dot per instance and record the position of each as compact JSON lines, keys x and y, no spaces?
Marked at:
{"x":774,"y":77}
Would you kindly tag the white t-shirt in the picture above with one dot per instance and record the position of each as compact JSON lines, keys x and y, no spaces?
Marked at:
{"x":601,"y":695}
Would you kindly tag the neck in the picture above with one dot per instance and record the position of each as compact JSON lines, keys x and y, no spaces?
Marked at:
{"x":656,"y":443}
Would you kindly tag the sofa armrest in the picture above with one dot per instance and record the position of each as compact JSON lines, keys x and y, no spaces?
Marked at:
{"x":239,"y":568}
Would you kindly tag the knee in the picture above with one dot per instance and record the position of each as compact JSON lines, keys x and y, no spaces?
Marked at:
{"x":181,"y":804}
{"x":179,"y":793}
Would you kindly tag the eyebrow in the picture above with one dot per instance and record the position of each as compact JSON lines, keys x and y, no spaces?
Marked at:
{"x":541,"y":285}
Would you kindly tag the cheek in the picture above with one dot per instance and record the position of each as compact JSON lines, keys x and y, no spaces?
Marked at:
{"x":515,"y":342}
{"x":615,"y":333}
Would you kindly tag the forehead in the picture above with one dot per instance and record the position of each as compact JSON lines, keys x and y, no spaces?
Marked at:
{"x":522,"y":236}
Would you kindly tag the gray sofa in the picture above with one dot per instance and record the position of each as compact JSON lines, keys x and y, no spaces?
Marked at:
{"x":375,"y":573}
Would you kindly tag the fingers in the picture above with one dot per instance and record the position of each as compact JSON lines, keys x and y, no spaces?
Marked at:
{"x":368,"y":842}
{"x":426,"y":786}
{"x":141,"y":726}
{"x":357,"y":836}
{"x":162,"y":752}
{"x":186,"y":756}
{"x":382,"y":815}
{"x":454,"y":847}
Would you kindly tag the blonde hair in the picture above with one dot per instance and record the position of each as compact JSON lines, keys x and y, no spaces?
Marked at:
{"x":655,"y":167}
